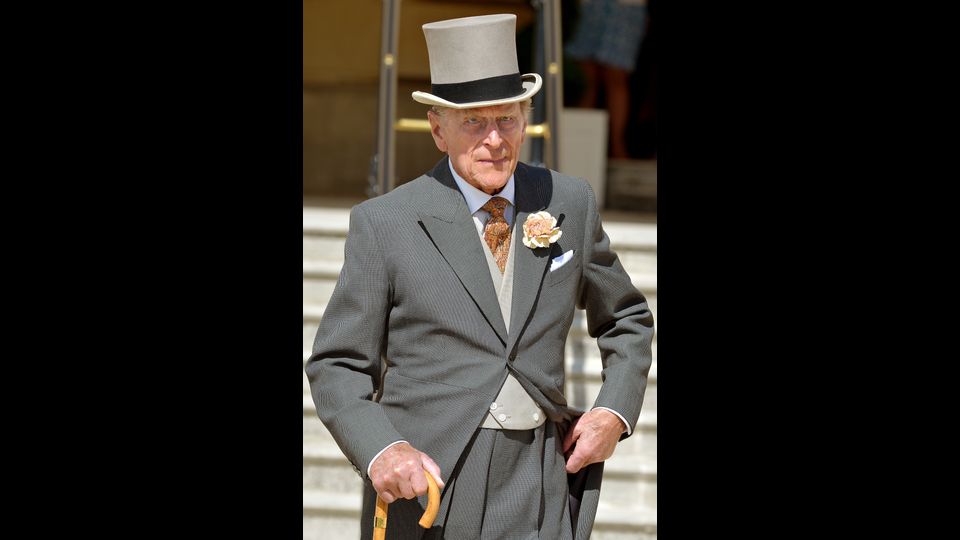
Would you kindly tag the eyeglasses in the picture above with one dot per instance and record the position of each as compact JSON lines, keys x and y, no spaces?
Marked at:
{"x":479,"y":125}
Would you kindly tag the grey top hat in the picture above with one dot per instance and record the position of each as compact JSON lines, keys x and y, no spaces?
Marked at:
{"x":473,"y":63}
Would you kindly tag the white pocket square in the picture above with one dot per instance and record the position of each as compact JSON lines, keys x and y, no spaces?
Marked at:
{"x":561,"y":260}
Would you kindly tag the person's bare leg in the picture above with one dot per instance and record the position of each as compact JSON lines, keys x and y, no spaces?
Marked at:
{"x":591,"y":72}
{"x":616,"y":82}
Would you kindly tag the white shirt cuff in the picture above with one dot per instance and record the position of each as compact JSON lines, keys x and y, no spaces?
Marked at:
{"x":628,"y":431}
{"x":385,"y":449}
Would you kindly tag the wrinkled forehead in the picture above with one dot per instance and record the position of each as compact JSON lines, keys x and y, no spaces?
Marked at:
{"x":495,"y":110}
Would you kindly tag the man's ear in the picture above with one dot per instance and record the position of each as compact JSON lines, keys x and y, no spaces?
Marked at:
{"x":435,"y":120}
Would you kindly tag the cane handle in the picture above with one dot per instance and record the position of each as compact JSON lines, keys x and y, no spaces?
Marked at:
{"x":426,"y":521}
{"x":433,"y":502}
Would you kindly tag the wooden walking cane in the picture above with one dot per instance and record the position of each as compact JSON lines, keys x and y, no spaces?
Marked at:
{"x":426,"y":521}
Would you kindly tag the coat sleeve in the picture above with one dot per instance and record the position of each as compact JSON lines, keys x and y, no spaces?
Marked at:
{"x":618,"y":317}
{"x":344,"y":367}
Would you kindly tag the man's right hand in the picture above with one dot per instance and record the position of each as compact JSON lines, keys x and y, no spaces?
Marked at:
{"x":398,"y":473}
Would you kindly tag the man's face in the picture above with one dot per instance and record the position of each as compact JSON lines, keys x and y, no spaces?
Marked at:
{"x":483,"y":144}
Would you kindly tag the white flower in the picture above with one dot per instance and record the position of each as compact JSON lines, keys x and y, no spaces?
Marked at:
{"x":540,"y":230}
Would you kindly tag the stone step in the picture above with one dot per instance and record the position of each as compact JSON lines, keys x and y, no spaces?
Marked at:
{"x":626,"y":236}
{"x":336,"y":516}
{"x":318,"y":248}
{"x":326,"y":269}
{"x":325,"y":220}
{"x":613,"y":523}
{"x":627,"y":481}
{"x":331,"y":516}
{"x":642,"y":445}
{"x":581,"y":391}
{"x":317,"y":291}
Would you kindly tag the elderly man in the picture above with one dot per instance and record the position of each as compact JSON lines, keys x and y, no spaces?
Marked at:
{"x":442,"y":346}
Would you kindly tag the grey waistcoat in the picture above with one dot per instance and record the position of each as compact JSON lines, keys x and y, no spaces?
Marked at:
{"x":513,"y":408}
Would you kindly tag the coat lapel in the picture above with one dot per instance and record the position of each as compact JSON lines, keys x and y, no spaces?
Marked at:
{"x":533,"y":193}
{"x":447,"y":220}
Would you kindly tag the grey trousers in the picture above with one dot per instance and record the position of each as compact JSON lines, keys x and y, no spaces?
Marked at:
{"x":511,"y":485}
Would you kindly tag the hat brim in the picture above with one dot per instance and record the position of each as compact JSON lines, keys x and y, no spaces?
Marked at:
{"x":531,"y":85}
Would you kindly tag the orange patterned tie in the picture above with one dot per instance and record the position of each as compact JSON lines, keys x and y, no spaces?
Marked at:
{"x":496,"y":232}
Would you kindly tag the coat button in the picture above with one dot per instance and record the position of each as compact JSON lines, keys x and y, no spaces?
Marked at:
{"x":493,"y":406}
{"x":536,"y":417}
{"x":502,"y":417}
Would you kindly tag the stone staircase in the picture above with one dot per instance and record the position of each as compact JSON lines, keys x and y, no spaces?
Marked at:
{"x":331,"y":488}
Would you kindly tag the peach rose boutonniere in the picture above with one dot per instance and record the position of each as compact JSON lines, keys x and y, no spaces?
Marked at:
{"x":540,"y":230}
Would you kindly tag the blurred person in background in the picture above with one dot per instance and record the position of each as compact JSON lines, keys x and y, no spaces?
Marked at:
{"x":605,"y":44}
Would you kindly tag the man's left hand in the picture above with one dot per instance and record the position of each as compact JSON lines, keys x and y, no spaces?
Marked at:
{"x":593,"y":437}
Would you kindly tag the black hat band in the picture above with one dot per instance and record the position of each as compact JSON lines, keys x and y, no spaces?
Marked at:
{"x":489,"y":89}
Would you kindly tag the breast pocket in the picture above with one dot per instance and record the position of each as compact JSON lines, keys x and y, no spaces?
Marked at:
{"x":561,"y":274}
